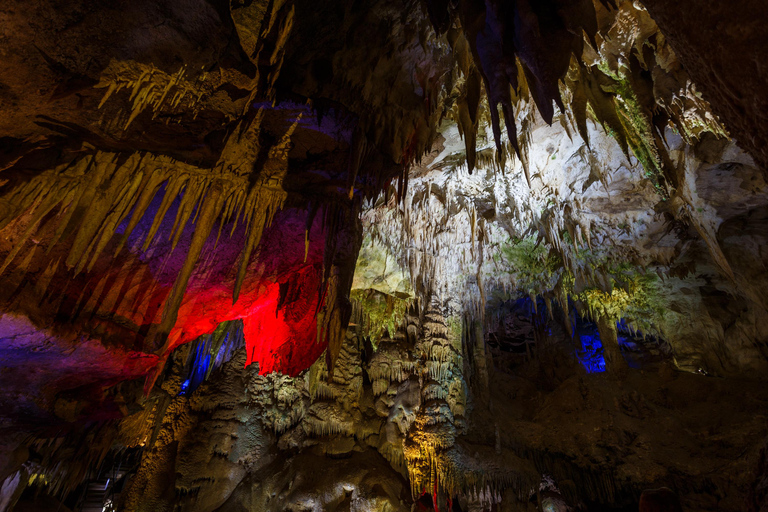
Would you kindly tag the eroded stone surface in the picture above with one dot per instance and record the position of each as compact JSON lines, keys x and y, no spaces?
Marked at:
{"x":290,"y":255}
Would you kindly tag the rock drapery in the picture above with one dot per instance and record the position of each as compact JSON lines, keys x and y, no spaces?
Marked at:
{"x":368,"y":255}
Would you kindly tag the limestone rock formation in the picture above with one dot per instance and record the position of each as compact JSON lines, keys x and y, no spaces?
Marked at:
{"x":377,"y":255}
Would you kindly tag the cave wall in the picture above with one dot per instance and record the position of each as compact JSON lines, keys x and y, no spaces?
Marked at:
{"x":431,"y":420}
{"x":729,"y":69}
{"x":179,"y":219}
{"x":159,"y":180}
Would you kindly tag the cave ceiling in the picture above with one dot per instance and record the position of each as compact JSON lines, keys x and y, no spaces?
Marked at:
{"x":382,"y":255}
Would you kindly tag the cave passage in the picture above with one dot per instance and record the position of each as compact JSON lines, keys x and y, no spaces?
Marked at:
{"x":383,"y":256}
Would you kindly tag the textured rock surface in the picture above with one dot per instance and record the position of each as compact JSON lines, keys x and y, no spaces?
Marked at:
{"x":425,"y":424}
{"x":600,"y":225}
{"x":729,"y":72}
{"x":383,"y":255}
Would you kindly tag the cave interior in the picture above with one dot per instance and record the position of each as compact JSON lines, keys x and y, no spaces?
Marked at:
{"x":383,"y":255}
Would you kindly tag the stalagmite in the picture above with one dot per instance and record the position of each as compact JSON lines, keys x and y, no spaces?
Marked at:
{"x":285,"y":255}
{"x":614,"y":360}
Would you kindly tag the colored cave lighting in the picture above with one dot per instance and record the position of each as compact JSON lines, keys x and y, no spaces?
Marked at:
{"x":591,"y":354}
{"x":209,"y":353}
{"x":277,"y":325}
{"x":281,"y":335}
{"x":278,"y":329}
{"x":277,"y":303}
{"x":201,"y":365}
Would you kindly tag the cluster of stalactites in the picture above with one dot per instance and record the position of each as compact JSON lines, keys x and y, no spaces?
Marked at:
{"x":378,"y":314}
{"x":444,"y":244}
{"x":386,"y":369}
{"x":94,"y":195}
{"x":152,"y":88}
{"x":619,"y":71}
{"x":625,"y":78}
{"x":96,"y":201}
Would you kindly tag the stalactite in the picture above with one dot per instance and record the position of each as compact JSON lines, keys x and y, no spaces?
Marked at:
{"x":96,"y":193}
{"x":209,"y":352}
{"x":152,"y":88}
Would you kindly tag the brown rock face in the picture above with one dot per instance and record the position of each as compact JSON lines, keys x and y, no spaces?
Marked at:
{"x":659,"y":500}
{"x":383,"y":255}
{"x":723,"y":46}
{"x":152,"y":188}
